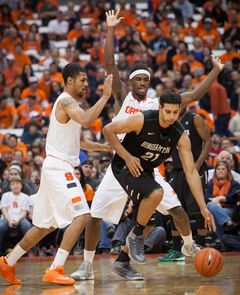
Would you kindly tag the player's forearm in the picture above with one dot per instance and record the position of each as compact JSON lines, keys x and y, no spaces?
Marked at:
{"x":88,"y":145}
{"x":109,"y":48}
{"x":22,"y":215}
{"x":5,"y":214}
{"x":204,"y":153}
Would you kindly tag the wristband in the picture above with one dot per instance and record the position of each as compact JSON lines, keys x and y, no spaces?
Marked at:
{"x":19,"y":220}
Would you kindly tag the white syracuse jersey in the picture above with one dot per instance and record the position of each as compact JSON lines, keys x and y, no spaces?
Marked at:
{"x":131,"y":106}
{"x":63,"y":140}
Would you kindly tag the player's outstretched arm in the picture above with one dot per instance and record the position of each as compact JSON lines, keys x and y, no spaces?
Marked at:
{"x":89,"y":145}
{"x":70,"y":106}
{"x":193,"y":179}
{"x":203,"y":87}
{"x":119,"y":89}
{"x":132,"y":124}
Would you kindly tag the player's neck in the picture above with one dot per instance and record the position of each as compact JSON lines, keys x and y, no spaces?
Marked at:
{"x":138,"y":97}
{"x":69,"y":91}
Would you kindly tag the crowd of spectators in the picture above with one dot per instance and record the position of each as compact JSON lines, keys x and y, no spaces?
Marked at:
{"x":30,"y":79}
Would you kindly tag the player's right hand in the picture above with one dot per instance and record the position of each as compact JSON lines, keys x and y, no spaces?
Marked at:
{"x":134,"y":166}
{"x":209,"y":219}
{"x":112,"y":19}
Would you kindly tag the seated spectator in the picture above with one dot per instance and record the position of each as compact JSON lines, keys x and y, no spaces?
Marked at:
{"x":234,"y":125}
{"x":41,"y":98}
{"x":11,"y":71}
{"x":187,"y":84}
{"x":7,"y":92}
{"x":23,"y":26}
{"x":85,"y":42}
{"x":233,"y":34}
{"x":126,"y":42}
{"x":216,"y":145}
{"x":75,"y":58}
{"x":94,"y":30}
{"x":87,"y":167}
{"x":7,"y":43}
{"x":58,"y":28}
{"x":86,"y":9}
{"x":181,"y":57}
{"x":27,"y":72}
{"x":219,"y":197}
{"x":46,"y":45}
{"x":15,"y":205}
{"x":97,"y":50}
{"x":74,"y":34}
{"x":18,"y":156}
{"x":198,"y":49}
{"x":8,"y":114}
{"x":231,"y":53}
{"x":30,"y":160}
{"x":25,"y":111}
{"x":31,"y":43}
{"x":24,"y":7}
{"x":20,"y":58}
{"x":131,"y":18}
{"x":209,"y":36}
{"x":55,"y":91}
{"x":123,"y":65}
{"x":194,"y":64}
{"x":6,"y":158}
{"x":31,"y":134}
{"x":71,"y":16}
{"x":7,"y":16}
{"x":55,"y":75}
{"x":47,"y":12}
{"x":45,"y":83}
{"x":55,"y":58}
{"x":219,"y":15}
{"x":149,"y":35}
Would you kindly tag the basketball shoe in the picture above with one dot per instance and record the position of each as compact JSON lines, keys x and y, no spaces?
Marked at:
{"x":57,"y":276}
{"x":190,"y":250}
{"x":124,"y":269}
{"x":136,"y":248}
{"x":8,"y":272}
{"x":172,"y":255}
{"x":116,"y":250}
{"x":85,"y":272}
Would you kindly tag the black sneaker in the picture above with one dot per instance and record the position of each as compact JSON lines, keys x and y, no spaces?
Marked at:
{"x":110,"y":232}
{"x":125,"y":270}
{"x":136,"y":248}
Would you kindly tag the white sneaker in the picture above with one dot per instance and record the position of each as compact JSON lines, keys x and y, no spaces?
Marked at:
{"x":85,"y":272}
{"x":190,"y":250}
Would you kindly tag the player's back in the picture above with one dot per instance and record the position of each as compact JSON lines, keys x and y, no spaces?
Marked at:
{"x":63,"y":140}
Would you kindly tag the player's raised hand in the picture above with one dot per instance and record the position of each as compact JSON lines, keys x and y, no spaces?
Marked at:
{"x":134,"y":166}
{"x":107,"y":91}
{"x":217,"y":63}
{"x":209,"y":219}
{"x":112,"y":18}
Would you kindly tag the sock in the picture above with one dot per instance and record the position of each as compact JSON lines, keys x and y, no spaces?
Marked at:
{"x":89,"y":255}
{"x":201,"y":240}
{"x":138,"y":229}
{"x":60,"y":258}
{"x":177,"y":243}
{"x":187,"y":239}
{"x":14,"y":255}
{"x":123,"y":257}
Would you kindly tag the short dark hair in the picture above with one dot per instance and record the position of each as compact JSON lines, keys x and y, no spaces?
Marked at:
{"x":72,"y":70}
{"x":139,"y":67}
{"x":170,"y":96}
{"x":14,"y":135}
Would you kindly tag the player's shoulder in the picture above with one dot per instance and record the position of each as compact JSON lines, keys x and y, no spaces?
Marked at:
{"x":151,"y":115}
{"x":177,"y":125}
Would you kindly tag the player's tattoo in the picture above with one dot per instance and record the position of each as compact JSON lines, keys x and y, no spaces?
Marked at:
{"x":65,"y":102}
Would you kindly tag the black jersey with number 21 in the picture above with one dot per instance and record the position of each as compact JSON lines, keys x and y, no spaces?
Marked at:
{"x":152,"y":146}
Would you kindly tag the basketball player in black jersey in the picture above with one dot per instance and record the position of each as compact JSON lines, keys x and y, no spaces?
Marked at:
{"x":201,"y":143}
{"x":150,"y":139}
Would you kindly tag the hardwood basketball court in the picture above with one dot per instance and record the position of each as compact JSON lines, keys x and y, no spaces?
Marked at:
{"x":177,"y":278}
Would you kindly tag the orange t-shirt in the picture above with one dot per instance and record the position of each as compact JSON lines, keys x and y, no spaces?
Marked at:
{"x":48,"y":110}
{"x":21,"y":60}
{"x":46,"y":88}
{"x":178,"y":60}
{"x":131,"y":58}
{"x":130,"y":20}
{"x":6,"y":116}
{"x":28,"y":46}
{"x":190,"y":31}
{"x":10,"y":74}
{"x":209,"y":122}
{"x":195,"y":65}
{"x":96,"y":126}
{"x":119,"y":33}
{"x":80,"y":62}
{"x":89,"y":193}
{"x":210,"y":39}
{"x":8,"y":44}
{"x":99,"y":54}
{"x":200,"y":25}
{"x":57,"y":77}
{"x":23,"y":30}
{"x":41,"y":96}
{"x":227,"y":58}
{"x":23,"y":112}
{"x":161,"y":57}
{"x":73,"y":35}
{"x":148,"y":37}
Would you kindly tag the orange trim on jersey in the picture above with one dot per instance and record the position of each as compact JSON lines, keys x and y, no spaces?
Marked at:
{"x":60,"y":159}
{"x":68,"y":93}
{"x":76,"y":199}
{"x":137,"y":100}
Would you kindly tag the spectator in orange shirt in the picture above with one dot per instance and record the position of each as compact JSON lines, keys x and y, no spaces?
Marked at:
{"x":209,"y":36}
{"x":24,"y":6}
{"x":189,"y":30}
{"x":137,"y":53}
{"x":74,"y":34}
{"x":20,"y":58}
{"x":169,"y":85}
{"x":198,"y":75}
{"x":181,"y":57}
{"x":193,"y":63}
{"x":227,"y":57}
{"x":25,"y":111}
{"x":33,"y":89}
{"x":86,"y":8}
{"x":145,"y":18}
{"x":55,"y":75}
{"x":94,"y":30}
{"x":123,"y":11}
{"x":96,"y":128}
{"x":45,"y":83}
{"x":31,"y":43}
{"x":75,"y":59}
{"x":149,"y":34}
{"x":11,"y":71}
{"x":161,"y":56}
{"x":7,"y":17}
{"x":23,"y":26}
{"x":7,"y":43}
{"x":97,"y":50}
{"x":14,"y":145}
{"x":8,"y":114}
{"x":131,"y":18}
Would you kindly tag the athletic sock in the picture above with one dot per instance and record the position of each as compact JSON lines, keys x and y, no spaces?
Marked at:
{"x":60,"y":258}
{"x":14,"y":255}
{"x":138,"y":229}
{"x":89,"y":255}
{"x":123,"y":257}
{"x":177,"y":243}
{"x":187,"y":239}
{"x":201,"y":240}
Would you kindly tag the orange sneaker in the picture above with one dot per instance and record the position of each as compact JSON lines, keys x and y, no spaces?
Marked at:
{"x":8,"y":272}
{"x":57,"y":276}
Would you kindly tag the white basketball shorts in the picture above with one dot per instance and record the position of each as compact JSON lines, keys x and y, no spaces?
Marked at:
{"x":60,"y":198}
{"x":110,"y":198}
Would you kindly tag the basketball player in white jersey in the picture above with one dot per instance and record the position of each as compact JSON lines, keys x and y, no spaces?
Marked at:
{"x":110,"y":197}
{"x":60,"y":200}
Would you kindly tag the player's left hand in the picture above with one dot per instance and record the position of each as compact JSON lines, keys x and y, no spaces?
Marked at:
{"x":134,"y":166}
{"x":106,"y":147}
{"x":209,"y":219}
{"x":217,"y":62}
